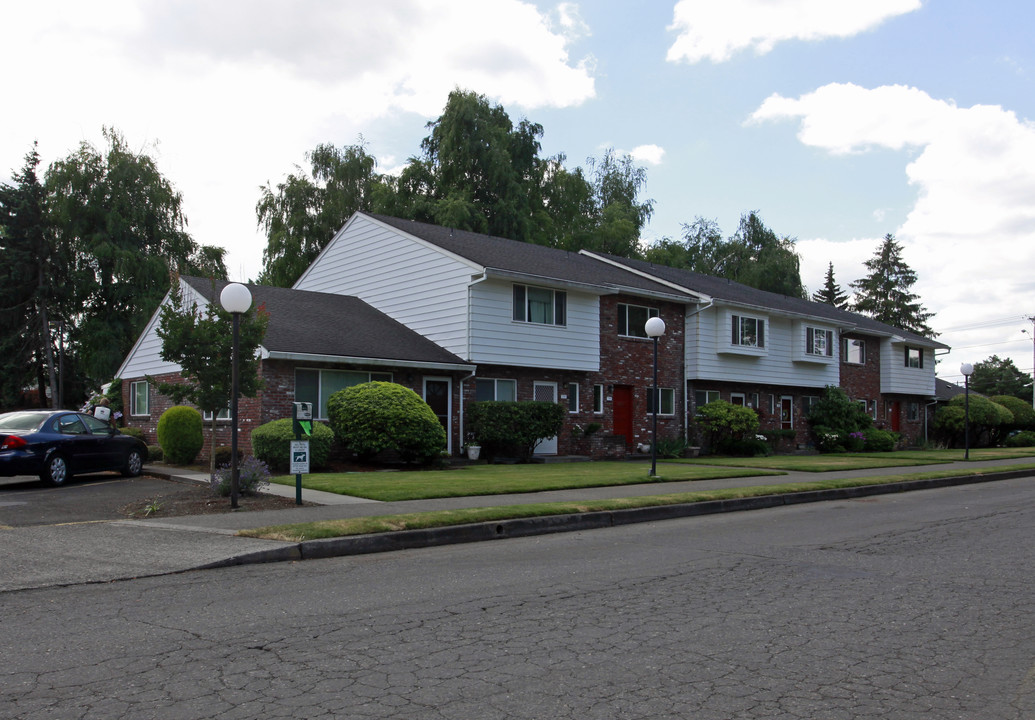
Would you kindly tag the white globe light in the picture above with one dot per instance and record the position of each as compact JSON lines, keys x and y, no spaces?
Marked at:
{"x":655,"y":327}
{"x":967,"y":369}
{"x":235,"y":298}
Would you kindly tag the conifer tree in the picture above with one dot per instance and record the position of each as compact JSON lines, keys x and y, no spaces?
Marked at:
{"x":831,"y":292}
{"x":885,"y":293}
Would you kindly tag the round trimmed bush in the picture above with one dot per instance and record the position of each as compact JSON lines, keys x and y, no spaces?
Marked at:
{"x":271,"y":443}
{"x":377,"y":416}
{"x":1021,"y":439}
{"x":180,"y":434}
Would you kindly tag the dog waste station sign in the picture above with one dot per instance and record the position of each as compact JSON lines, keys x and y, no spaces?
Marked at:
{"x":301,"y":421}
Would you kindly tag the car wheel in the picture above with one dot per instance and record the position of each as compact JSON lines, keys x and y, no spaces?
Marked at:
{"x":134,"y":463}
{"x":55,"y":471}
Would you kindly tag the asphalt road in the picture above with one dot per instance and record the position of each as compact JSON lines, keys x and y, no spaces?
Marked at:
{"x":915,"y":605}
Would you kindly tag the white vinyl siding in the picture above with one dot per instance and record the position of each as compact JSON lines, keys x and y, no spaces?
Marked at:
{"x":711,"y":356}
{"x":145,"y":358}
{"x":419,"y":285}
{"x":895,"y":377}
{"x":496,"y":339}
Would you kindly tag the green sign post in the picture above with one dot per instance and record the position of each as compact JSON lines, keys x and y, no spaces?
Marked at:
{"x":301,"y":421}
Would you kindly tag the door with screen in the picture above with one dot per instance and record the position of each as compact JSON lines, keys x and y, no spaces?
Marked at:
{"x":545,"y":392}
{"x":438,"y":394}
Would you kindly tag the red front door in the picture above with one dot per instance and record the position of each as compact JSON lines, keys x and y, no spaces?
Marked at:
{"x":896,"y":415}
{"x":622,"y":402}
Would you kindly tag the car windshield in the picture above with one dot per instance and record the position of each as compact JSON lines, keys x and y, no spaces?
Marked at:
{"x":22,"y":420}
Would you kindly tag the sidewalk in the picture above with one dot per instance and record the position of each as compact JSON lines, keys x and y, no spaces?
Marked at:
{"x":43,"y":556}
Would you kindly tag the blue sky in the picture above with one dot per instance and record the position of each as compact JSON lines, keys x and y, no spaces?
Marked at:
{"x":838,"y":120}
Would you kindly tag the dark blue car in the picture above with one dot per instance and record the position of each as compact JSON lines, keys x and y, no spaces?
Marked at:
{"x":57,"y":444}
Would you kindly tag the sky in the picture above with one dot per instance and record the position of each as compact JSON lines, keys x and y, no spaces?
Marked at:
{"x":838,"y":121}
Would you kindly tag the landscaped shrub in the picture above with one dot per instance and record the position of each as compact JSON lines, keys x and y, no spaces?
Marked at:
{"x":252,"y":477}
{"x":224,"y":453}
{"x":1021,"y":439}
{"x":879,"y":440}
{"x":1023,"y":415}
{"x":726,"y":422}
{"x":271,"y":443}
{"x":672,"y":447}
{"x":179,"y":434}
{"x":154,"y":453}
{"x":514,"y":428}
{"x":827,"y":440}
{"x":837,"y":414}
{"x":986,"y":420}
{"x":377,"y":416}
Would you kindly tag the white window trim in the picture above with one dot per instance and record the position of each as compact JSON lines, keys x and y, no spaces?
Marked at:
{"x":828,"y":342}
{"x":133,"y":405}
{"x":847,"y":342}
{"x":221,"y":416}
{"x":573,"y":395}
{"x":523,"y":313}
{"x":495,"y":387}
{"x":598,"y":399}
{"x":661,"y":392}
{"x":734,"y":396}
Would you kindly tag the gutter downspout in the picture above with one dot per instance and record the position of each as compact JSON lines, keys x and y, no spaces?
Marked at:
{"x":483,"y":278}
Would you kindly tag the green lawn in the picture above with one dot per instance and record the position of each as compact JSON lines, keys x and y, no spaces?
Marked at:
{"x":861,"y":461}
{"x":504,"y":479}
{"x":413,"y":521}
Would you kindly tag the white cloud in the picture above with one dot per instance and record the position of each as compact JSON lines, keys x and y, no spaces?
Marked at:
{"x":237,"y":90}
{"x":650,"y":154}
{"x":973,"y":224}
{"x":717,"y":29}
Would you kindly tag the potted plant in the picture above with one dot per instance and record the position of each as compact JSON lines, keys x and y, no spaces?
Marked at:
{"x":473,"y":447}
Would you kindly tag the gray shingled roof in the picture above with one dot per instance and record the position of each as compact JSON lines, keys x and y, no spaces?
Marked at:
{"x":734,"y":292}
{"x":513,"y":256}
{"x":332,"y":325}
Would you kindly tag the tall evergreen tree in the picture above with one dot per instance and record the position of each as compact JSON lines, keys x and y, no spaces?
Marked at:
{"x":831,"y":292}
{"x":29,"y":288}
{"x":885,"y":294}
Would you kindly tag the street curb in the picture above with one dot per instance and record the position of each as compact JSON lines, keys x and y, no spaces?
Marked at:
{"x":549,"y":524}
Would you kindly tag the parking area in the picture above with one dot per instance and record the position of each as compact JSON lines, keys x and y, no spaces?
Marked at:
{"x":25,"y":501}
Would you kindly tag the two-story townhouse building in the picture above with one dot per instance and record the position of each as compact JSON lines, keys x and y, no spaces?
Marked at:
{"x":777,"y":354}
{"x":461,"y":317}
{"x":539,"y":323}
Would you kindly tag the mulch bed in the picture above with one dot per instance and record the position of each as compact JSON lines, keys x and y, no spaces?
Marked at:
{"x":190,"y":499}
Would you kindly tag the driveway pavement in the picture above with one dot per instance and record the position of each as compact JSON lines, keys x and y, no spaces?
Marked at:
{"x":59,"y":536}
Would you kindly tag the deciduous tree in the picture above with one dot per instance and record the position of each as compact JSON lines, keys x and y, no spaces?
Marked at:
{"x":995,"y":376}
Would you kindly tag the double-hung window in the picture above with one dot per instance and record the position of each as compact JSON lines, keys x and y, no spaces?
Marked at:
{"x":854,"y":351}
{"x":493,"y":389}
{"x":223,"y":414}
{"x":819,"y":342}
{"x":667,"y":405}
{"x":914,"y":357}
{"x":573,"y":397}
{"x":138,"y":398}
{"x":540,"y":305}
{"x":703,"y":397}
{"x":748,"y":331}
{"x":632,"y":319}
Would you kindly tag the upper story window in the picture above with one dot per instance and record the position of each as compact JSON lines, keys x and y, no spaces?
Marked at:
{"x":632,"y":319}
{"x":854,"y":351}
{"x":914,"y":357}
{"x":540,"y":305}
{"x":819,"y":342}
{"x":748,"y":331}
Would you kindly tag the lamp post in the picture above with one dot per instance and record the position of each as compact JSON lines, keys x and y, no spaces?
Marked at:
{"x":967,"y":369}
{"x":655,"y":328}
{"x":235,"y":299}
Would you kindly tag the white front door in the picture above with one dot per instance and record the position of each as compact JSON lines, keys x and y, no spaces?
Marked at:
{"x":545,"y":392}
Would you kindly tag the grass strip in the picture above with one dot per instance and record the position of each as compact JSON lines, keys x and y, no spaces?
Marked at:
{"x":505,"y":479}
{"x":298,"y":532}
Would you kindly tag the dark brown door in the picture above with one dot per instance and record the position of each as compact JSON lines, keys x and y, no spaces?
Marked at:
{"x":437,"y":392}
{"x":622,"y":402}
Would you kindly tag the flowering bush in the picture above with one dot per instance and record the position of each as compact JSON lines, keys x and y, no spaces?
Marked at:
{"x":253,"y":476}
